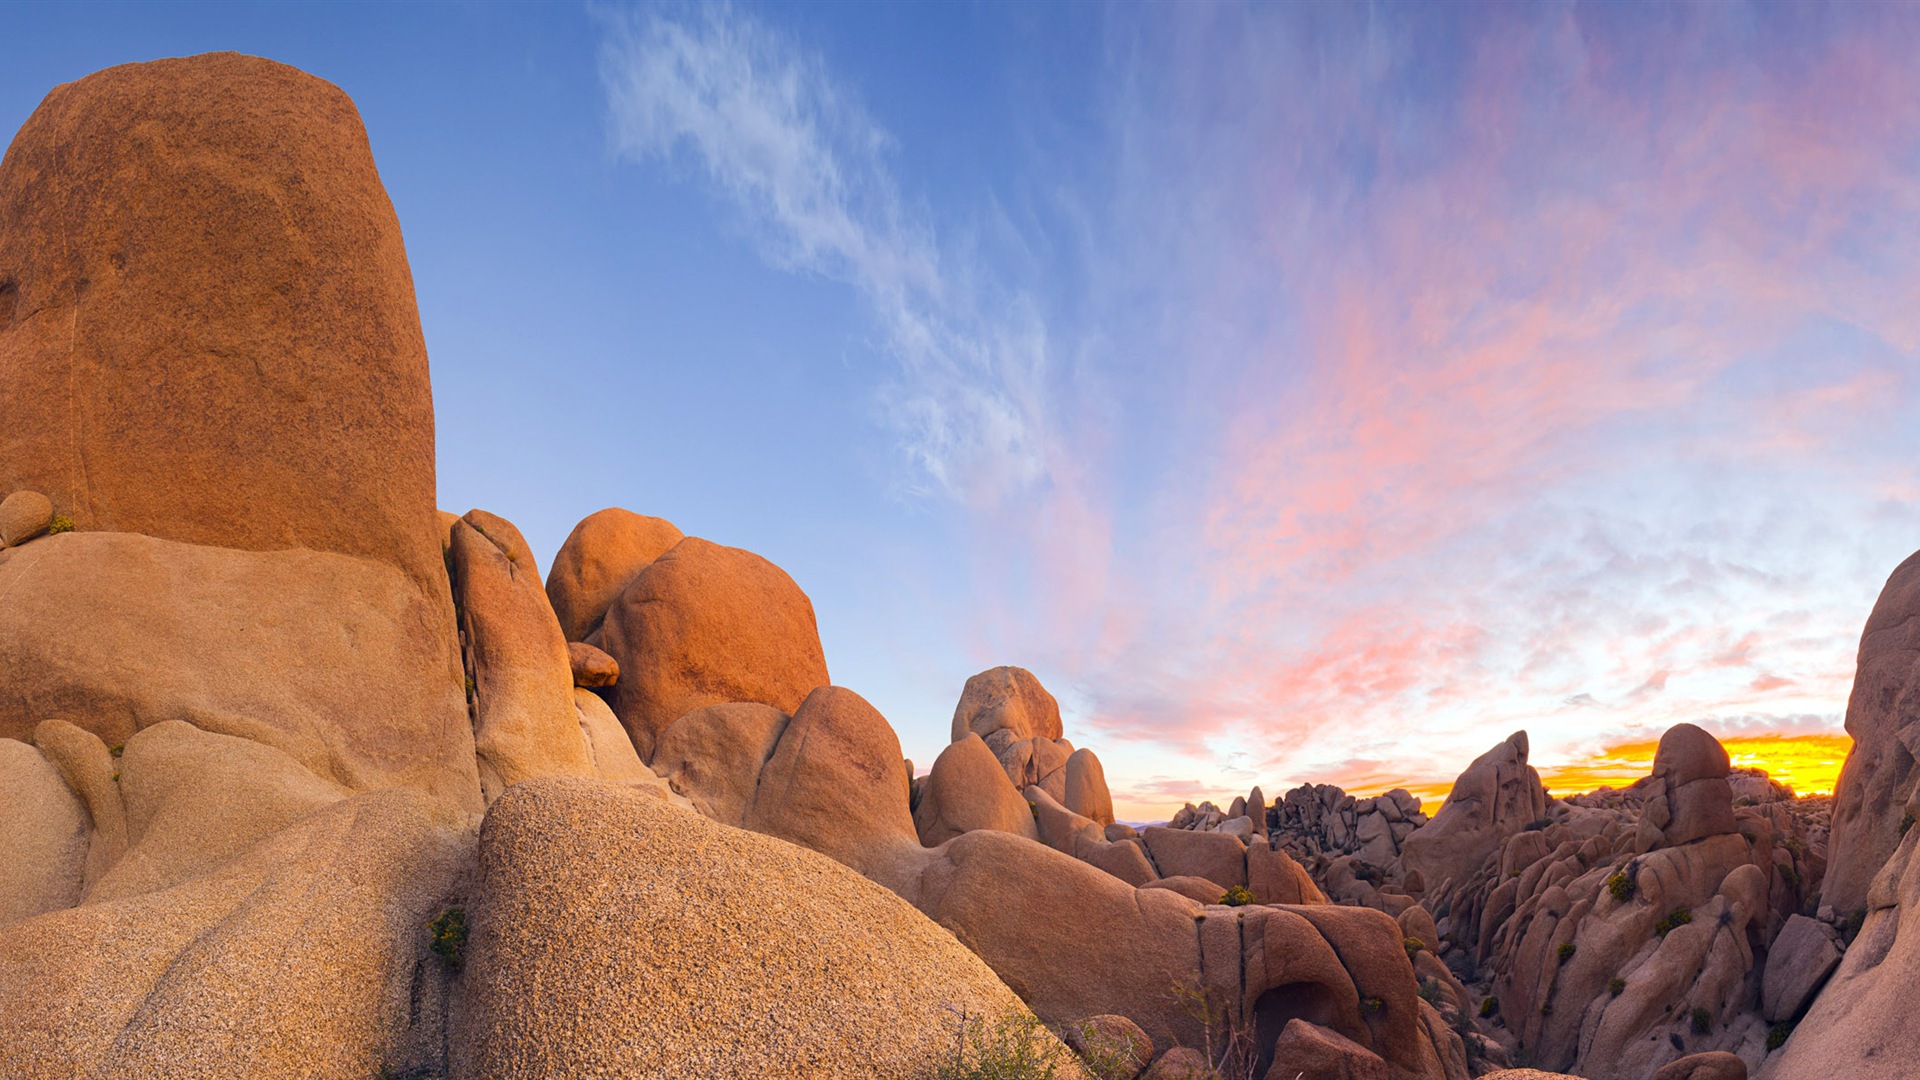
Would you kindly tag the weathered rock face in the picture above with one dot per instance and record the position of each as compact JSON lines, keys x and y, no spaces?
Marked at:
{"x":735,"y":955}
{"x":1009,"y":699}
{"x":834,"y":783}
{"x":1689,"y":798}
{"x":43,"y":835}
{"x":714,"y":754}
{"x":600,"y":558}
{"x":337,"y":661}
{"x":524,"y":720}
{"x":967,"y":790}
{"x":1799,"y":961}
{"x":1883,"y":716}
{"x":305,"y":957}
{"x":707,"y":625}
{"x":210,"y":331}
{"x":1497,"y":796}
{"x":1861,"y":1026}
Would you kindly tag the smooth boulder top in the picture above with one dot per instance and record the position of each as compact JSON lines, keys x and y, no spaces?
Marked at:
{"x":600,"y":558}
{"x":1008,"y":698}
{"x":207,"y":322}
{"x":706,"y":625}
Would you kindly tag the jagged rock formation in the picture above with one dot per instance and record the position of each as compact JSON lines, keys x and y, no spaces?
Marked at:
{"x":1497,"y":796}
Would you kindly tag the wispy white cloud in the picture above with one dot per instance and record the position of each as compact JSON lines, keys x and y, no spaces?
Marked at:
{"x":792,"y":149}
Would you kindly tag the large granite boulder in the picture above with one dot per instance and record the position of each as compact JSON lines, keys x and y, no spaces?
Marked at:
{"x":1883,"y":716}
{"x":1010,"y":699}
{"x":337,"y":661}
{"x":600,"y":558}
{"x":614,"y":935}
{"x":209,"y":334}
{"x":705,"y":625}
{"x":305,"y":956}
{"x":44,"y":830}
{"x":967,"y":790}
{"x":1498,"y":795}
{"x":524,"y":720}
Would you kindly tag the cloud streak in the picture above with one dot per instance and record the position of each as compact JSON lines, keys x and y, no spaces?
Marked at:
{"x":792,"y":151}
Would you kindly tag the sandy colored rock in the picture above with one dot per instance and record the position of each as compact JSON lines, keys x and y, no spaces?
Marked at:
{"x":1883,"y":717}
{"x":43,"y":835}
{"x":1417,"y":923}
{"x":524,"y":721}
{"x":591,"y":667}
{"x":714,"y":754}
{"x":1180,"y":1063}
{"x":705,"y":625}
{"x":608,"y":747}
{"x":736,"y":955}
{"x":1801,"y":957}
{"x":1689,"y":798}
{"x":1307,"y":1051}
{"x":1111,"y":1041}
{"x":967,"y":790}
{"x":337,"y":661}
{"x":90,"y":771}
{"x":1010,"y":699}
{"x":212,"y":336}
{"x":1197,"y":889}
{"x":23,"y":516}
{"x":1712,"y":1065}
{"x":195,"y":799}
{"x":600,"y":558}
{"x":1214,"y":856}
{"x":1086,"y":787}
{"x":304,"y":958}
{"x":834,"y":784}
{"x":1275,"y":878}
{"x":1861,"y":1025}
{"x":1497,"y":796}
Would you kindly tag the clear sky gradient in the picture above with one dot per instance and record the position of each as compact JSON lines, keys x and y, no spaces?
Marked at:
{"x":1303,"y":392}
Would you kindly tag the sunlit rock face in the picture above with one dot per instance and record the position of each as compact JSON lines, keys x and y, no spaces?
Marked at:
{"x":1883,"y":716}
{"x":212,"y":366}
{"x":1497,"y":796}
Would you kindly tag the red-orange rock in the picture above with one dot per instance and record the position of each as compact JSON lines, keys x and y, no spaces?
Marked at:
{"x":600,"y":558}
{"x":706,"y":625}
{"x":210,"y":332}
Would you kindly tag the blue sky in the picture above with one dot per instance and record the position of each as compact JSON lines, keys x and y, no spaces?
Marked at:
{"x":1303,"y":392}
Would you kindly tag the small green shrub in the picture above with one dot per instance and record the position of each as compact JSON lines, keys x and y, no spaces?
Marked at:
{"x":1489,"y":1007}
{"x":1430,"y":992}
{"x":1546,"y":1008}
{"x":1373,"y":1004}
{"x":1413,"y":945}
{"x":472,"y":689}
{"x":61,"y":523}
{"x":450,"y":935}
{"x":1015,"y":1046}
{"x":1616,"y":986}
{"x":1679,"y":916}
{"x":1702,"y":1020}
{"x":1906,"y":822}
{"x":1777,"y":1036}
{"x":1238,"y":896}
{"x":117,"y":749}
{"x":1565,"y":951}
{"x":1621,"y":885}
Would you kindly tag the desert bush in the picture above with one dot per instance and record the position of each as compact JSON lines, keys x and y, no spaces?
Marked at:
{"x":1012,"y":1046}
{"x":1238,"y":896}
{"x":1489,"y":1007}
{"x":1413,"y":945}
{"x":1777,"y":1036}
{"x":1678,"y":917}
{"x":1702,"y":1020}
{"x":1565,"y":952}
{"x":450,"y":935}
{"x":1621,"y":886}
{"x":61,"y":524}
{"x":1616,"y":986}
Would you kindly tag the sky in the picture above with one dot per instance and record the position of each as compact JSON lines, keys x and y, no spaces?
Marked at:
{"x":1303,"y":392}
